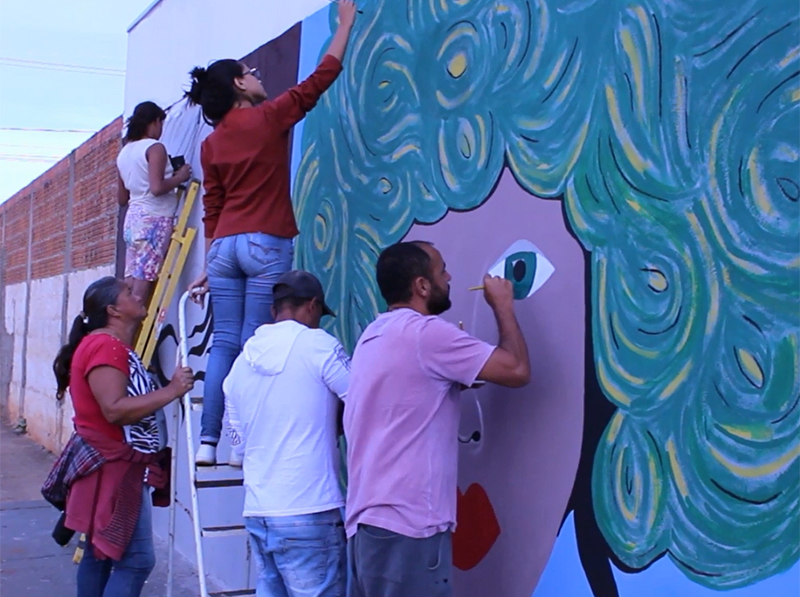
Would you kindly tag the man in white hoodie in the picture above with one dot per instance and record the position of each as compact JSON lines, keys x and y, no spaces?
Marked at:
{"x":282,"y":405}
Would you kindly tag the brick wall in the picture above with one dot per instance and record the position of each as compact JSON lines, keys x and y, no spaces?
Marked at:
{"x":86,"y":221}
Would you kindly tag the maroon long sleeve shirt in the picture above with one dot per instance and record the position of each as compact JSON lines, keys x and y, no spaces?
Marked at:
{"x":246,"y":161}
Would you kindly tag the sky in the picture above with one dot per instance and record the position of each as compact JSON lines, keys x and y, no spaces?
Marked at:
{"x":88,"y":34}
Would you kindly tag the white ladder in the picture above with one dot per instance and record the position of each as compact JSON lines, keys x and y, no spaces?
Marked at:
{"x":205,"y":477}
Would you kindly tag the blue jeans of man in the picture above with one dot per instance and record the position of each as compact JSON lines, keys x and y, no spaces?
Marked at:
{"x":300,"y":556}
{"x":242,"y":269}
{"x":125,"y":578}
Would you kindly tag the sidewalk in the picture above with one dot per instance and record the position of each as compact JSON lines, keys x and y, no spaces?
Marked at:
{"x":31,"y":563}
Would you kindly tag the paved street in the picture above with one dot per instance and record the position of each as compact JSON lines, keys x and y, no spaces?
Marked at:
{"x":31,"y":563}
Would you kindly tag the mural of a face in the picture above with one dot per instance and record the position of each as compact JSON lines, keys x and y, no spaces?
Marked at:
{"x":519,"y":448}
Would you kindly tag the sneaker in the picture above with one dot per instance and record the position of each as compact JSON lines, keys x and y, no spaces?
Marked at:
{"x":206,"y":455}
{"x":235,"y":459}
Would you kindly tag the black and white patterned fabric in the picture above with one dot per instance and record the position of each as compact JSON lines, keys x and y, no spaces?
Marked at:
{"x":146,"y":435}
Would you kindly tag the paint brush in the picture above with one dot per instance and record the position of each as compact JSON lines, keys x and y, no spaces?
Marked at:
{"x":471,"y":288}
{"x":361,"y":12}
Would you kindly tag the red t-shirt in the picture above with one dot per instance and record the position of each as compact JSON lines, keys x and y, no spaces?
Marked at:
{"x":95,"y":350}
{"x":246,"y":161}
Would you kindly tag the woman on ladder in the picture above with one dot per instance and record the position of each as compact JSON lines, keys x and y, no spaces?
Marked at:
{"x":147,"y":184}
{"x":248,"y":217}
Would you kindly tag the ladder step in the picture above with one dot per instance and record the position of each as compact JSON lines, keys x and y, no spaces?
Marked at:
{"x":234,"y":530}
{"x":210,"y":483}
{"x":220,"y":475}
{"x":237,"y":593}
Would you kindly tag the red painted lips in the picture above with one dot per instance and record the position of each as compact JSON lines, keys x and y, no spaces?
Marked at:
{"x":477,"y":527}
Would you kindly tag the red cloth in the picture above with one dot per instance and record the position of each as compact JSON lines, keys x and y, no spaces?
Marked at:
{"x":95,"y":350}
{"x":105,"y":505}
{"x":246,"y":161}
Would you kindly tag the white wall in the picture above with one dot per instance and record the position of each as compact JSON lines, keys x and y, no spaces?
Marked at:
{"x":171,"y":39}
{"x":48,"y":422}
{"x":177,"y":35}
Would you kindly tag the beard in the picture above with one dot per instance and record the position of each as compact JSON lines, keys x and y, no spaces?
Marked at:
{"x":439,"y":301}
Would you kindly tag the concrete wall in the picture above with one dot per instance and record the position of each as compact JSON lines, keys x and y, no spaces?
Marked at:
{"x":58,"y":235}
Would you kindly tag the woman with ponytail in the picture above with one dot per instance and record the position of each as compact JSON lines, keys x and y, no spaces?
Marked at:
{"x":147,"y":186}
{"x":248,"y":217}
{"x":117,"y":454}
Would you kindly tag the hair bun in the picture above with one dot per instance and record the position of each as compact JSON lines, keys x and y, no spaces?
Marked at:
{"x":198,"y":75}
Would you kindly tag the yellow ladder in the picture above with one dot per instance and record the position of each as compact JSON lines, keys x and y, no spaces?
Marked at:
{"x":182,"y":239}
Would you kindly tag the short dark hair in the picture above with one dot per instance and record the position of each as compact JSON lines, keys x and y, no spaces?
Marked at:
{"x":291,"y":302}
{"x":398,"y":266}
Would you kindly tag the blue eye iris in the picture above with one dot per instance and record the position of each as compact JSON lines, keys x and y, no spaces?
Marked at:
{"x":520,"y":270}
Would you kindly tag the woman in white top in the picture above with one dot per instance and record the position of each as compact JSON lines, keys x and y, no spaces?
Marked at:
{"x":147,"y":186}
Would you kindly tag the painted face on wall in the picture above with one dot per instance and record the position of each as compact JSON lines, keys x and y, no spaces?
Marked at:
{"x":519,"y":448}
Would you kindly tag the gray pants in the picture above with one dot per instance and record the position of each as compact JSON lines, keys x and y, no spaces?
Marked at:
{"x":386,"y":564}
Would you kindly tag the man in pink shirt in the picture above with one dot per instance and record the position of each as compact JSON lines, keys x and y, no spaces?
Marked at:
{"x":401,"y":423}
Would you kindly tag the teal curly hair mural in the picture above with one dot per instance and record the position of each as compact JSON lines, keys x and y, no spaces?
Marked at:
{"x":670,"y":132}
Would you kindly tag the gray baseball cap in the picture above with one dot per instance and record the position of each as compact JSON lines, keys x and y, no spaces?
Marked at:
{"x":301,"y":284}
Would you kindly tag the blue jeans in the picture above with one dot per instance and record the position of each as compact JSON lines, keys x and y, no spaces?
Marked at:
{"x":299,"y":556}
{"x":242,"y":269}
{"x":125,"y":578}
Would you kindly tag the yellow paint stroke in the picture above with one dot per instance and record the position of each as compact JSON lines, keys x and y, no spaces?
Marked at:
{"x":403,"y":150}
{"x":760,"y":470}
{"x":370,"y":231}
{"x":337,"y":164}
{"x":792,"y":55}
{"x":676,"y":382}
{"x":677,"y":473}
{"x":634,"y":157}
{"x":576,"y":67}
{"x":383,"y":84}
{"x":403,"y":69}
{"x":629,"y":45}
{"x":573,"y":205}
{"x":534,"y":124}
{"x":751,"y":433}
{"x":407,"y":121}
{"x":462,"y":29}
{"x":457,"y":65}
{"x":319,"y":240}
{"x":648,"y":354}
{"x":757,"y":184}
{"x":544,"y":26}
{"x":390,"y":106}
{"x":611,"y":389}
{"x":630,"y":515}
{"x":557,"y":69}
{"x":689,"y":325}
{"x":448,"y":175}
{"x":443,"y":4}
{"x":657,"y":280}
{"x":467,"y":141}
{"x":614,"y":426}
{"x":655,"y":481}
{"x":634,"y":204}
{"x":482,"y":134}
{"x":648,"y":34}
{"x":796,"y":95}
{"x":454,"y":103}
{"x":714,"y":292}
{"x":750,"y":364}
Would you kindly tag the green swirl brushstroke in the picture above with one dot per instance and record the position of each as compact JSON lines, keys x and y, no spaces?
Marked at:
{"x":670,"y":132}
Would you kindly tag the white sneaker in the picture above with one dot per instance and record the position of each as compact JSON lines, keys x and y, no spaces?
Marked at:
{"x":235,"y":459}
{"x":206,"y":455}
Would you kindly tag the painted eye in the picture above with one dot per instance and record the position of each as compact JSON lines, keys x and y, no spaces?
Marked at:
{"x":525,"y":267}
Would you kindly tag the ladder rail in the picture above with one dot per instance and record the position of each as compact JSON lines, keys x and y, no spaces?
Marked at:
{"x":187,"y":406}
{"x":173,"y":479}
